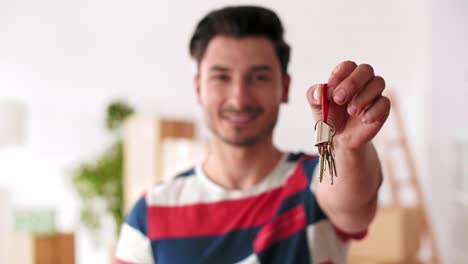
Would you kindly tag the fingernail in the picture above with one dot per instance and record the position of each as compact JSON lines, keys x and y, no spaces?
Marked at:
{"x":340,"y":96}
{"x":317,"y":94}
{"x":352,"y":110}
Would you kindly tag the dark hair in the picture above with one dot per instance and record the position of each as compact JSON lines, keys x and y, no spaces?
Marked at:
{"x":238,"y":22}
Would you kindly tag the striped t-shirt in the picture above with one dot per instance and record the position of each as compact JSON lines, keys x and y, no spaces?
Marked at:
{"x":191,"y":219}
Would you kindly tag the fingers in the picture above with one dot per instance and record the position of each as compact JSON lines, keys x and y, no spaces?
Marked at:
{"x":356,"y":88}
{"x":348,"y":80}
{"x":340,"y":72}
{"x":366,"y":96}
{"x":377,"y":112}
{"x":313,"y":95}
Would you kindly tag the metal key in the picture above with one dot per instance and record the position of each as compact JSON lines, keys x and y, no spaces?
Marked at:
{"x":324,"y":142}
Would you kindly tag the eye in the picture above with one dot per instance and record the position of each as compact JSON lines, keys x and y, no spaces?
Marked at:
{"x":220,"y":77}
{"x":260,"y":77}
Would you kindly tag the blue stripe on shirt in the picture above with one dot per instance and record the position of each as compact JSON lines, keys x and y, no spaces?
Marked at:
{"x":137,"y":218}
{"x":228,"y":248}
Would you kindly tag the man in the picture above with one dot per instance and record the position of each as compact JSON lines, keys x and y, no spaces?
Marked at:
{"x":248,"y":202}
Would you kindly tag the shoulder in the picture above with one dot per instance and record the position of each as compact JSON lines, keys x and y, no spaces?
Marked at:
{"x":304,"y":162}
{"x":168,"y":192}
{"x":164,"y":193}
{"x":300,"y":156}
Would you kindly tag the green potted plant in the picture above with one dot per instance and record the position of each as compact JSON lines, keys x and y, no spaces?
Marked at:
{"x":99,"y":183}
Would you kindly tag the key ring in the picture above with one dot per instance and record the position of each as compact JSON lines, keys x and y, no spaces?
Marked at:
{"x":326,"y":130}
{"x":325,"y":103}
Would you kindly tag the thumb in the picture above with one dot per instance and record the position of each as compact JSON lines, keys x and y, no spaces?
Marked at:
{"x":314,"y":94}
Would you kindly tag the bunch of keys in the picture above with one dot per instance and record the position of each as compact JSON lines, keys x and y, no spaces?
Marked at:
{"x":326,"y":130}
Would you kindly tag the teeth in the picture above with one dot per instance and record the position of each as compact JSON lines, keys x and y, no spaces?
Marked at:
{"x":239,"y":118}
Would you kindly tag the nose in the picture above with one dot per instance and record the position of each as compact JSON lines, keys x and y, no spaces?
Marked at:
{"x":240,"y":95}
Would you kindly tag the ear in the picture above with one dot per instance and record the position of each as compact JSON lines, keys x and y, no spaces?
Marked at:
{"x":196,"y":84}
{"x":285,"y":92}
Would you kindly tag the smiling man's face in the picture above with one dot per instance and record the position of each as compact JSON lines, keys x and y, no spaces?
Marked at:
{"x":240,"y":87}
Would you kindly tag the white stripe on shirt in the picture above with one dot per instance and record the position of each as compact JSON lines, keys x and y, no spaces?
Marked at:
{"x":133,"y":246}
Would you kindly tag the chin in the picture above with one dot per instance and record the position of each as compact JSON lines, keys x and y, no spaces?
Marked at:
{"x":244,"y":142}
{"x":234,"y":137}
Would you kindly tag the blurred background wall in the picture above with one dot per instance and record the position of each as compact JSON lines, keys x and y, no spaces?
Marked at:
{"x":65,"y":60}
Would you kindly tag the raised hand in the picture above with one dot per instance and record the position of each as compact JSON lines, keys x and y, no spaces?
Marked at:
{"x":357,"y":106}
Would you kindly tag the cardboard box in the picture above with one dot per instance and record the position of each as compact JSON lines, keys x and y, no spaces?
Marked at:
{"x":42,"y":249}
{"x":65,"y":248}
{"x":393,"y":237}
{"x":364,"y":260}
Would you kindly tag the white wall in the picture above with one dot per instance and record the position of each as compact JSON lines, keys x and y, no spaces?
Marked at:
{"x":68,"y":59}
{"x":447,"y":114}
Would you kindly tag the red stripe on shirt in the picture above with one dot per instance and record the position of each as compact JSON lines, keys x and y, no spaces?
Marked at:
{"x":282,"y":227}
{"x":345,"y":237}
{"x":216,"y":218}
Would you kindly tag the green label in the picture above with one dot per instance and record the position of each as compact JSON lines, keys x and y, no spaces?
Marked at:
{"x":34,"y":221}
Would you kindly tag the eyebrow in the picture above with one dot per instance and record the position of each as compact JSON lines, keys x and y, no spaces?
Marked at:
{"x":262,"y":67}
{"x":255,"y":68}
{"x":219,"y":68}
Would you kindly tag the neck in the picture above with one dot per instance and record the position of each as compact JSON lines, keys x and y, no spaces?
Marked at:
{"x":240,"y":168}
